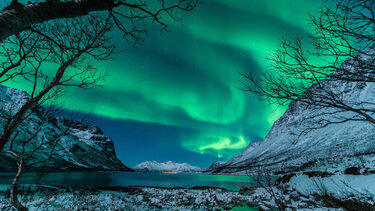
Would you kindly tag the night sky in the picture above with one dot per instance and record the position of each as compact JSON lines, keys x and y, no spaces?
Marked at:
{"x":176,"y":96}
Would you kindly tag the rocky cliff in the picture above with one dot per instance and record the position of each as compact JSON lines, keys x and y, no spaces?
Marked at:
{"x":59,"y":144}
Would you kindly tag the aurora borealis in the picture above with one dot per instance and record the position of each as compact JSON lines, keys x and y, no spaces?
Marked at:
{"x":176,"y":97}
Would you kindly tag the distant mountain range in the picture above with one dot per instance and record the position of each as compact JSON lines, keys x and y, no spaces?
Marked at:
{"x":169,"y":166}
{"x":335,"y":147}
{"x":83,"y":148}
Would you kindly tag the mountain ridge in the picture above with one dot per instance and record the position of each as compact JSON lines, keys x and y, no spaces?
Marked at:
{"x":168,"y":166}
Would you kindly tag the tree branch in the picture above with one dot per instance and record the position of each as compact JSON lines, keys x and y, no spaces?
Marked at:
{"x":16,"y":18}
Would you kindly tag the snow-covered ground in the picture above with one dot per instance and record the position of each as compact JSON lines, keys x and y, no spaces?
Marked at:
{"x":300,"y":192}
{"x":141,"y":198}
{"x":361,"y":187}
{"x":169,"y":166}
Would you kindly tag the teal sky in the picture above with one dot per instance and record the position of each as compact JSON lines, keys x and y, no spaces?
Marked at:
{"x":180,"y":88}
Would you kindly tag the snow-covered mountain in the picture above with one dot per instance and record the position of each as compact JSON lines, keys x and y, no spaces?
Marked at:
{"x":77,"y":146}
{"x":169,"y":166}
{"x":331,"y":148}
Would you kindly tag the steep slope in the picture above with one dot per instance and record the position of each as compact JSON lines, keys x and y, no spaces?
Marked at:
{"x":217,"y":165}
{"x":169,"y":166}
{"x":335,"y":147}
{"x":221,"y":164}
{"x":77,"y":146}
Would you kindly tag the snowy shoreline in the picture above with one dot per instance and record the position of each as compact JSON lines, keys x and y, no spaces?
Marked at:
{"x":297,"y":192}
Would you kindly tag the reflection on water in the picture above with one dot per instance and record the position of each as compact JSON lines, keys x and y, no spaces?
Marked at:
{"x":105,"y":179}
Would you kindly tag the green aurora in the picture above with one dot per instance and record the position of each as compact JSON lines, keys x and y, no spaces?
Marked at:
{"x":188,"y":77}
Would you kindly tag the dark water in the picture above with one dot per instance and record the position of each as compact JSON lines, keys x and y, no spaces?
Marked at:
{"x":107,"y":179}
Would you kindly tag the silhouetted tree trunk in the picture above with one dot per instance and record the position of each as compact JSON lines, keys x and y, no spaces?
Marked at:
{"x":16,"y":17}
{"x":14,"y":187}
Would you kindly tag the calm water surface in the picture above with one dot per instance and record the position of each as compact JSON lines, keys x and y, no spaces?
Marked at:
{"x":107,"y":179}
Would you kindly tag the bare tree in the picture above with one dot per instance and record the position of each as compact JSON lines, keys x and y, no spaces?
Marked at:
{"x":70,"y":46}
{"x":128,"y":15}
{"x":36,"y":33}
{"x":312,"y":71}
{"x":56,"y":43}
